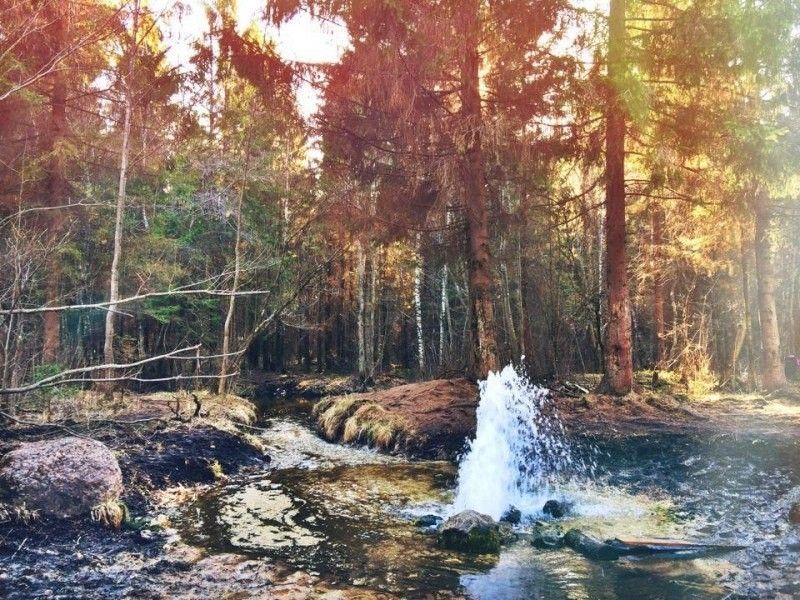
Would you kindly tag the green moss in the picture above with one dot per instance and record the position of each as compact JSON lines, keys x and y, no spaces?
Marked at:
{"x":480,"y":539}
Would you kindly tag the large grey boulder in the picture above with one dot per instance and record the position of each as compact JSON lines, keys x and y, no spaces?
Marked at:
{"x":64,"y":477}
{"x":472,"y":532}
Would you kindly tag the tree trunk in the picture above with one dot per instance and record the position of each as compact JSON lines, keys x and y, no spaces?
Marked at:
{"x":748,"y":321}
{"x":57,"y":187}
{"x":113,"y":294}
{"x":479,"y":263}
{"x":418,"y":308}
{"x":658,"y":288}
{"x":361,"y":310}
{"x":519,"y":301}
{"x":795,"y":308}
{"x":222,"y":384}
{"x":772,"y":371}
{"x":370,"y":309}
{"x":618,"y":378}
{"x":508,"y":317}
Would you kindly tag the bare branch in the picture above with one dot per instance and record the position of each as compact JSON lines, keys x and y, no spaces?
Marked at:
{"x":59,"y":377}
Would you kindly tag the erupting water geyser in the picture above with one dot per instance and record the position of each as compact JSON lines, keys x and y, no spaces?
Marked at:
{"x":520,"y":455}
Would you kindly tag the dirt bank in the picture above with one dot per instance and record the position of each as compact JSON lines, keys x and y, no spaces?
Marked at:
{"x":429,"y":419}
{"x":646,"y":411}
{"x":435,"y":418}
{"x":160,"y":440}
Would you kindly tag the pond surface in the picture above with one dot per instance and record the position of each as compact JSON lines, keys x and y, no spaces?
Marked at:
{"x":348,"y":514}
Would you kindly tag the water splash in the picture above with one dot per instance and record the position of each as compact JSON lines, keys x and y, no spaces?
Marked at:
{"x":520,"y":455}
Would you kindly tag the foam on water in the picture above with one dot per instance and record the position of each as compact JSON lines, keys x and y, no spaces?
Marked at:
{"x":520,"y":455}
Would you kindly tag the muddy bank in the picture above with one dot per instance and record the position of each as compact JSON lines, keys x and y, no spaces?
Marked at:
{"x":433,"y":419}
{"x":158,"y":439}
{"x":430,"y":419}
{"x":62,"y":560}
{"x":167,"y":454}
{"x":648,"y":411}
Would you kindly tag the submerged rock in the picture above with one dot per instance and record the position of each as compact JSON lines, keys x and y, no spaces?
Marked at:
{"x":428,"y":521}
{"x":546,"y":541}
{"x":794,"y":513}
{"x":589,"y":546}
{"x":507,"y":533}
{"x":557,"y":508}
{"x":472,"y":532}
{"x":64,"y":477}
{"x":513,"y":515}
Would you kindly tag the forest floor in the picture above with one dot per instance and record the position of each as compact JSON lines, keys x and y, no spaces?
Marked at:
{"x":169,"y":455}
{"x":670,"y":408}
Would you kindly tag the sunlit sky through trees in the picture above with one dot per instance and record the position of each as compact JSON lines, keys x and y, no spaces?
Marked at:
{"x":304,"y":39}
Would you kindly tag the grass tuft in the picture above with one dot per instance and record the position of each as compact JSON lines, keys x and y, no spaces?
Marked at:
{"x":18,"y":513}
{"x":332,"y":414}
{"x":110,"y":513}
{"x":356,"y":419}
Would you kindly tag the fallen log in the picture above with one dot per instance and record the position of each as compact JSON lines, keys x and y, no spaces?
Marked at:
{"x":615,"y":548}
{"x":589,"y":546}
{"x":648,"y":546}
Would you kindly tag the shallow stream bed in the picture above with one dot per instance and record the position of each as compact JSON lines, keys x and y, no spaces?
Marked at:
{"x":322,"y":520}
{"x":347,"y":515}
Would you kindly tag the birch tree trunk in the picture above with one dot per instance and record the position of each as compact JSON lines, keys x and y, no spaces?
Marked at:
{"x":222,"y":384}
{"x":418,"y":308}
{"x":113,"y":293}
{"x":369,"y":334}
{"x":445,"y":324}
{"x":519,"y":301}
{"x":361,"y":311}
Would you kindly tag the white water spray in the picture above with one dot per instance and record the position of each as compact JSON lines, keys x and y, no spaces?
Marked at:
{"x":520,"y":455}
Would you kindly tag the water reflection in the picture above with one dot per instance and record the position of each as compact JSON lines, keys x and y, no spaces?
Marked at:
{"x":349,"y":514}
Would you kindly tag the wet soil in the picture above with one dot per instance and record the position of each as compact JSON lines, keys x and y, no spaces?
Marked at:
{"x":80,"y":559}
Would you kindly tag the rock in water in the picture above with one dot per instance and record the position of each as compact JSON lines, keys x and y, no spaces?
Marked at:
{"x":794,"y":513}
{"x":428,"y":521}
{"x":590,"y":547}
{"x":557,"y":509}
{"x":547,"y":541}
{"x":64,"y":477}
{"x":471,"y":532}
{"x":513,"y":515}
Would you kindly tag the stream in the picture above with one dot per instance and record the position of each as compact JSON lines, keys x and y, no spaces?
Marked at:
{"x":348,"y":516}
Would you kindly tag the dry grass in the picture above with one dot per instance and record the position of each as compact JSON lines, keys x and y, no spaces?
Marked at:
{"x":110,"y":513}
{"x":372,"y":425}
{"x":90,"y":405}
{"x":18,"y":513}
{"x":357,"y":420}
{"x":332,"y":413}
